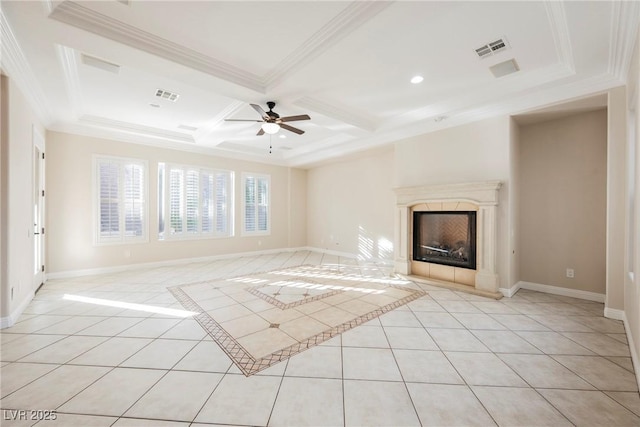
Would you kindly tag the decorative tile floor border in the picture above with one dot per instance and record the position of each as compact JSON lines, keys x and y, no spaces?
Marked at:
{"x":248,"y":364}
{"x":284,"y":306}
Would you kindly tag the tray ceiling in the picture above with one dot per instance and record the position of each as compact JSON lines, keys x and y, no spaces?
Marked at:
{"x":346,"y":64}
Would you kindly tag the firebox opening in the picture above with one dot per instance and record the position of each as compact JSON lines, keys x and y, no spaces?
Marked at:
{"x":445,"y":237}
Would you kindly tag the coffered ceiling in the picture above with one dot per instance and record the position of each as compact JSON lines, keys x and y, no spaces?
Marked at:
{"x":94,"y":67}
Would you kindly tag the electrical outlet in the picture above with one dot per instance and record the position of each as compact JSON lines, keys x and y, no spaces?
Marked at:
{"x":570,"y":273}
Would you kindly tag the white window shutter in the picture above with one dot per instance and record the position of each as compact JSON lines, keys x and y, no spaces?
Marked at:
{"x":121,"y":187}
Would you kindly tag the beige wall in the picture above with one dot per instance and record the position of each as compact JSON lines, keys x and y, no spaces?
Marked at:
{"x":18,"y":122}
{"x":514,"y":196}
{"x":474,"y":152}
{"x":562,"y":201}
{"x":351,"y":204}
{"x":70,"y":245}
{"x":632,"y":249}
{"x":616,"y":213}
{"x":297,"y":208}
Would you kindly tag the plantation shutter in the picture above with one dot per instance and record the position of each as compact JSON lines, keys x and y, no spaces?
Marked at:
{"x":134,"y":200}
{"x":176,"y":185}
{"x":109,"y":188}
{"x":121,"y":196}
{"x":250,"y":204}
{"x":208,"y":190}
{"x":198,"y":201}
{"x":222,"y":197}
{"x":256,"y":203}
{"x":192,"y":200}
{"x":263,"y":204}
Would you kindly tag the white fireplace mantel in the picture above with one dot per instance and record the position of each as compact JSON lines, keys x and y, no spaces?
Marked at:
{"x":482,"y":194}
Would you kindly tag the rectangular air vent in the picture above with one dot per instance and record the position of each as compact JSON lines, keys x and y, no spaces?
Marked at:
{"x":165,"y":94}
{"x":187,"y":127}
{"x":92,"y":61}
{"x":504,"y":68}
{"x":492,"y":48}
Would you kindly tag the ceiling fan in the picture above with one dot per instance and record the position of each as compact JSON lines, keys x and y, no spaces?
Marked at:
{"x":271,"y":121}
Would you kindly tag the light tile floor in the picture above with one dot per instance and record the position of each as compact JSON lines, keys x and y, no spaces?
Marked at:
{"x":447,"y":358}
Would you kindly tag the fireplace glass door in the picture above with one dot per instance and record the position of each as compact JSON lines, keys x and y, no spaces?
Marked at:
{"x":447,"y":237}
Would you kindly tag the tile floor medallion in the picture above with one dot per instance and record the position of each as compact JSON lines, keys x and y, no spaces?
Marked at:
{"x":261,"y":319}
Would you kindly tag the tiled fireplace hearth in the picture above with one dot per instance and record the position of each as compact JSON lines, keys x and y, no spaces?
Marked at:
{"x":480,"y":198}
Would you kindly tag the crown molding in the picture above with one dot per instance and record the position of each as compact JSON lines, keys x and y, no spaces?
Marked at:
{"x":560,"y":32}
{"x":625,"y":16}
{"x":69,"y":65}
{"x":110,"y":133}
{"x":134,"y":129}
{"x":15,"y":64}
{"x":82,"y":17}
{"x":337,"y":112}
{"x":515,"y":104}
{"x":344,"y":23}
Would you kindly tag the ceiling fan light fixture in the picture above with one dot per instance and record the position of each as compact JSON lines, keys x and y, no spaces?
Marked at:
{"x":270,"y":128}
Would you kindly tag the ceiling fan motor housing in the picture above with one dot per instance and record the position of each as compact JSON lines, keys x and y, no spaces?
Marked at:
{"x":272,"y":113}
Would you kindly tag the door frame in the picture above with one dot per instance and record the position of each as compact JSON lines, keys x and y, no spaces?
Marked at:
{"x":38,"y":203}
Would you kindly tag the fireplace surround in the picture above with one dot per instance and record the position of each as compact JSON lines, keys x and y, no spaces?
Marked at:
{"x":481,"y":198}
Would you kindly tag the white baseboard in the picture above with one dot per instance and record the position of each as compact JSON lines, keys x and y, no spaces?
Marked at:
{"x":10,"y":320}
{"x":119,"y":268}
{"x":509,"y":292}
{"x":557,"y":290}
{"x":632,"y":348}
{"x":614,"y":314}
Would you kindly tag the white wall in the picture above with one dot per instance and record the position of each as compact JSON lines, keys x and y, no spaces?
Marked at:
{"x":18,"y":122}
{"x":474,"y":152}
{"x":70,"y":246}
{"x":351,"y":204}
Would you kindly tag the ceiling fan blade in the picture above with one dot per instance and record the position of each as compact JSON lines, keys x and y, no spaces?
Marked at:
{"x":260,"y":111}
{"x":242,"y":120}
{"x":294,"y":118}
{"x":291,"y":129}
{"x":260,"y":132}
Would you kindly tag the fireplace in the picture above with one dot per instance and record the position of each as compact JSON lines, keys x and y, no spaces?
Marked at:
{"x":445,"y":237}
{"x":472,"y":268}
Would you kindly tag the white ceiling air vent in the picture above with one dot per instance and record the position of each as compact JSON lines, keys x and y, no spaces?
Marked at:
{"x":188,"y":128}
{"x":165,"y":94}
{"x":504,"y":68}
{"x":92,"y":61}
{"x":492,"y":48}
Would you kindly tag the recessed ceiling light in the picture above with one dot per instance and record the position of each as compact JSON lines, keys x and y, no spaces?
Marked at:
{"x":417,"y":79}
{"x":283,"y":136}
{"x":155,"y":105}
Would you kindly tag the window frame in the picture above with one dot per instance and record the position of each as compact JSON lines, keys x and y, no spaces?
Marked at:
{"x":121,"y":238}
{"x":256,"y":232}
{"x":164,"y":205}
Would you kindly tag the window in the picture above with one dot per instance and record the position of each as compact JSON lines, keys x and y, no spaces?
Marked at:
{"x":256,"y":204}
{"x":121,"y":197}
{"x":194,"y":202}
